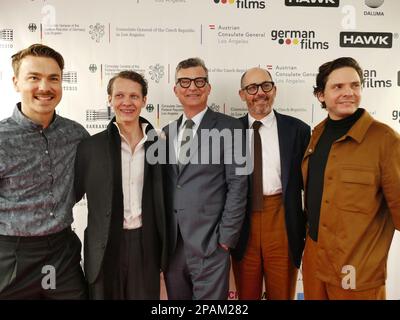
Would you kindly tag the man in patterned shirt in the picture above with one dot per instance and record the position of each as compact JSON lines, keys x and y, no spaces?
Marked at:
{"x":39,"y":253}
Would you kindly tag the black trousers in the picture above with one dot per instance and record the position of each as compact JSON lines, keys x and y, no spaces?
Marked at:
{"x":133,"y":279}
{"x":42,"y":267}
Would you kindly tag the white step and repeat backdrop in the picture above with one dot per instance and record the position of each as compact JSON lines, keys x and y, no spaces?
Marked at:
{"x":290,"y":38}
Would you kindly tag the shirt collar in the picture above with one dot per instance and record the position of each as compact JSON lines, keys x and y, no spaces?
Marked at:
{"x":356,"y":132}
{"x":196,"y":119}
{"x":27,"y":123}
{"x":143,"y":140}
{"x":267,"y":121}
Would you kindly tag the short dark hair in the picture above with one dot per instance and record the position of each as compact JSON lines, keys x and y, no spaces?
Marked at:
{"x":190,"y":63}
{"x":327,"y":68}
{"x":130,"y":75}
{"x":36,"y":50}
{"x":244,"y":74}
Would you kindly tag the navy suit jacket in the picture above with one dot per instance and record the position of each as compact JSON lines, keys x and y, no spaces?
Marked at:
{"x":294,"y":136}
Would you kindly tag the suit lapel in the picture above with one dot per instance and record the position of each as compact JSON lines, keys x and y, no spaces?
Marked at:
{"x":171,"y":132}
{"x":286,"y":137}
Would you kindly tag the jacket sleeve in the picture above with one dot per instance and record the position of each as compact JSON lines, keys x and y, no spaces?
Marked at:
{"x":391,"y":177}
{"x":236,"y":197}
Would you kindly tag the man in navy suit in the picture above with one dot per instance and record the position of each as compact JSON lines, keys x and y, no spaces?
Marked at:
{"x":272,"y":238}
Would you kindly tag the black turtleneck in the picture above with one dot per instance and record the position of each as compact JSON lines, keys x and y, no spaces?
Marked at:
{"x":334,"y":130}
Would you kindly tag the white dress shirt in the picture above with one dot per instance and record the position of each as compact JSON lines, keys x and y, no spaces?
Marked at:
{"x":271,"y":159}
{"x":132,"y":179}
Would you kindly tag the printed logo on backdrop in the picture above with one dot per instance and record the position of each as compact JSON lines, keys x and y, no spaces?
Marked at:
{"x":70,"y":79}
{"x":290,"y":74}
{"x":127,"y":33}
{"x":6,"y":35}
{"x":170,"y":110}
{"x":215,"y":107}
{"x":312,"y":3}
{"x":367,"y":39}
{"x":242,"y":4}
{"x":101,"y":116}
{"x":111,"y":70}
{"x":374,"y":4}
{"x":156,"y":72}
{"x":235,"y":35}
{"x":32,"y":27}
{"x":372,"y":81}
{"x":92,"y":68}
{"x":301,"y":39}
{"x":396,"y":115}
{"x":150,"y":107}
{"x":60,"y":29}
{"x":96,"y":31}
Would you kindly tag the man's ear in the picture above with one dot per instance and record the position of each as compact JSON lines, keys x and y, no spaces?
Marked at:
{"x":242,"y":95}
{"x":320,"y":96}
{"x":15,"y":83}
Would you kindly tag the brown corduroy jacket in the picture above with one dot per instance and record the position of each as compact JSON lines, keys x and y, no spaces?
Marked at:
{"x":360,"y":206}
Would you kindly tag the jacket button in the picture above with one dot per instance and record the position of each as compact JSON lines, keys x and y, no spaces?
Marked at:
{"x":103,"y":246}
{"x":108,"y":213}
{"x":179,"y":186}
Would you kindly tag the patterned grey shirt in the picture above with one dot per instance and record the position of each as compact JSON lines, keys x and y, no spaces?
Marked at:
{"x":36,"y":174}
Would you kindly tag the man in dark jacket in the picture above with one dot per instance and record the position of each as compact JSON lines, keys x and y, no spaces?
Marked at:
{"x":125,"y":244}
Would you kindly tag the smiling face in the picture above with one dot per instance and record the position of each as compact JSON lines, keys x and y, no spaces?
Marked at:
{"x":39,"y":81}
{"x":127,"y":100}
{"x":193,"y":99}
{"x":259,"y":104}
{"x":342,"y":93}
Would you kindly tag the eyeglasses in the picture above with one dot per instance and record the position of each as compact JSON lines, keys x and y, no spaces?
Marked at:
{"x":186,"y":82}
{"x":266,"y":86}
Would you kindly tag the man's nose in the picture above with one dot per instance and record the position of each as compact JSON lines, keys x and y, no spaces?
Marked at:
{"x":44,"y":85}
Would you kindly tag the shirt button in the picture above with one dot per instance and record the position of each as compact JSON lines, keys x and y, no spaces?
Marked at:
{"x":326,"y":201}
{"x":179,"y":186}
{"x":310,"y":150}
{"x":46,"y":152}
{"x":51,"y":214}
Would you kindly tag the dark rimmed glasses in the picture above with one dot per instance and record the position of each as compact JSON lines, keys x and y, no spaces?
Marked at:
{"x":186,"y":82}
{"x":266,"y":86}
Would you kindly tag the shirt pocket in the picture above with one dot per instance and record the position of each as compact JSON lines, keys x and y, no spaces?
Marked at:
{"x":357,"y":189}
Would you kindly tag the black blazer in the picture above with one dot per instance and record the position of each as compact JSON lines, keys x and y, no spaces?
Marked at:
{"x":294,"y":136}
{"x":98,"y":174}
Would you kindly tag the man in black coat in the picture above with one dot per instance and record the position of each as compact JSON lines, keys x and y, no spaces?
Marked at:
{"x":125,"y":240}
{"x":272,"y":238}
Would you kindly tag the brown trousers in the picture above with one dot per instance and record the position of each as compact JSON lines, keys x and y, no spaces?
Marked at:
{"x":315,"y":289}
{"x":266,"y":256}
